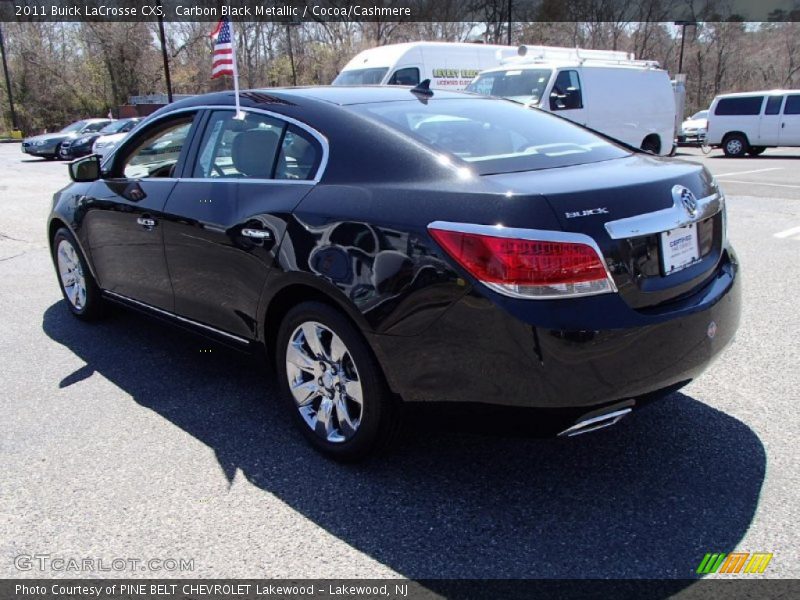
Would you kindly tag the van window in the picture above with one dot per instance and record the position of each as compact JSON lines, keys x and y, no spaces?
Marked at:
{"x":407,"y":76}
{"x":792,"y":105}
{"x":521,"y":85}
{"x":773,"y":105}
{"x":566,"y":94}
{"x":747,"y":105}
{"x":361,"y":76}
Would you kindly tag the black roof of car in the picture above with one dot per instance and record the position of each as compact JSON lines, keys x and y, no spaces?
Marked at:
{"x":339,"y":95}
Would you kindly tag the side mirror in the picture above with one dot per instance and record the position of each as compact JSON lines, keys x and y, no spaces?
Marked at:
{"x":85,"y":169}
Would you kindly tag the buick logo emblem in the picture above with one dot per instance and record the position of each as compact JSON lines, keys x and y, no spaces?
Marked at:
{"x":685,"y":197}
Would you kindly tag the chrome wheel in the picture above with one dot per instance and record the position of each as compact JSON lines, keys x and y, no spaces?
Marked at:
{"x":324,"y":382}
{"x":734,"y":146}
{"x":71,"y":273}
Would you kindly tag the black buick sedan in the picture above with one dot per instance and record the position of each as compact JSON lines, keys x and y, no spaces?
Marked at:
{"x":386,"y":245}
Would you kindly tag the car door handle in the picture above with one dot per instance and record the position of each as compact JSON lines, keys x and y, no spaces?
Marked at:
{"x":258,"y":234}
{"x":146,"y":222}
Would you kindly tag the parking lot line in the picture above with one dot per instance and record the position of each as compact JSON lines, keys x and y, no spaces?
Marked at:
{"x":780,"y":185}
{"x":787,"y":233}
{"x":748,"y":172}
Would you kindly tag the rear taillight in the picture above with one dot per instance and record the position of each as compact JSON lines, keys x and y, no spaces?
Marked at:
{"x":526,"y":263}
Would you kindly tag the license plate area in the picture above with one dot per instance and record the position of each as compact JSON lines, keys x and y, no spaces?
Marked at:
{"x":679,"y":248}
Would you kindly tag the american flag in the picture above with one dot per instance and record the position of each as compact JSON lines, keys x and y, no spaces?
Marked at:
{"x":223,"y":50}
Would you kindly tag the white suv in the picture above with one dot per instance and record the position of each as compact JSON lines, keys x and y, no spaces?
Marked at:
{"x":750,"y":122}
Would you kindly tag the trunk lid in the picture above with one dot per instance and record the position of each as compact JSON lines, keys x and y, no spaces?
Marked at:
{"x":592,"y":199}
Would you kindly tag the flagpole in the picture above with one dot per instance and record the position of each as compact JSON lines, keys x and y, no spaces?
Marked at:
{"x":239,"y":114}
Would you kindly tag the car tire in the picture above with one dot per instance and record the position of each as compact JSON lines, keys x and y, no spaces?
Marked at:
{"x":324,"y":364}
{"x":735,"y":145}
{"x":756,"y":150}
{"x":75,"y":279}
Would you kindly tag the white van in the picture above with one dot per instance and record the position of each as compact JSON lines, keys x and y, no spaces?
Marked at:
{"x":448,"y":65}
{"x":750,"y":122}
{"x":626,"y":99}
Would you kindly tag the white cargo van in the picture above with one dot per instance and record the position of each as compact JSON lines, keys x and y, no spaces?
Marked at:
{"x":448,"y":65}
{"x":626,"y":99}
{"x":750,"y":122}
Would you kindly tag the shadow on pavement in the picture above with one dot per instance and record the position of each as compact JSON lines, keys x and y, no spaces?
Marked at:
{"x":647,"y":498}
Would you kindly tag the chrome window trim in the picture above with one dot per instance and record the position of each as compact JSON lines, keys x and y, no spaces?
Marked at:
{"x":177,"y":317}
{"x":245,"y":180}
{"x":542,"y":235}
{"x":323,"y":142}
{"x":666,"y":219}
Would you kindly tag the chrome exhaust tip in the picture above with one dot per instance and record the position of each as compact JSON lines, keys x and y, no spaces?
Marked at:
{"x":595,"y":423}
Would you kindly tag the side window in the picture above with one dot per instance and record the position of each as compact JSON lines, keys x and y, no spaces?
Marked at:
{"x":236,"y":148}
{"x":792,"y":105}
{"x":299,"y":157}
{"x":158,"y":153}
{"x":407,"y":76}
{"x":773,"y":105}
{"x":566,"y":94}
{"x":747,"y":105}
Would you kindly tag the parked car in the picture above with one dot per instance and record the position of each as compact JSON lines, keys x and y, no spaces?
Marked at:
{"x":447,"y":65}
{"x":750,"y":122}
{"x":83,"y":144}
{"x":629,"y":100}
{"x":48,"y":145}
{"x":693,"y":129}
{"x":386,"y":244}
{"x":105,"y":144}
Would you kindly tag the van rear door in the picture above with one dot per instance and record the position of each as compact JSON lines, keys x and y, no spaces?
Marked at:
{"x":769,"y":126}
{"x":790,"y":123}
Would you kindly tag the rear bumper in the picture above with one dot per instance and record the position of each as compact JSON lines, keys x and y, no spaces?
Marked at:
{"x":564,"y":354}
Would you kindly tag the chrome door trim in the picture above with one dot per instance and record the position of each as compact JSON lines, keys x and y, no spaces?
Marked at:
{"x":172,"y":315}
{"x":666,"y":219}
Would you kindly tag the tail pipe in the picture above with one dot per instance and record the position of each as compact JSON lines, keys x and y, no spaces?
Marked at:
{"x":593,"y":424}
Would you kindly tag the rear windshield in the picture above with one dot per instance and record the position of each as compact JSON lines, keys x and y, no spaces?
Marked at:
{"x":522,"y":85}
{"x":361,"y":77}
{"x":495,"y":136}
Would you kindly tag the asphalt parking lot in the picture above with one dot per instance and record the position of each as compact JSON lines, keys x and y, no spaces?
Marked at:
{"x":129,"y":438}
